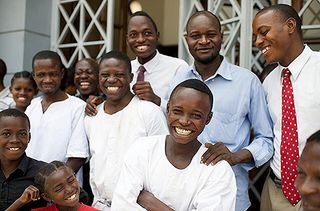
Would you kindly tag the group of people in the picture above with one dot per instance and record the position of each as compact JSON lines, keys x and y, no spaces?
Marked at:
{"x":161,"y":135}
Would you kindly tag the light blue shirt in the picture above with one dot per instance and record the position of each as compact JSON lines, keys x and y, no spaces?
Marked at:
{"x":239,"y":104}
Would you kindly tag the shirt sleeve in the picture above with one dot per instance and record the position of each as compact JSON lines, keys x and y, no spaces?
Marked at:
{"x":130,"y":182}
{"x":261,"y":147}
{"x":78,"y":144}
{"x":154,"y":119}
{"x":219,"y":192}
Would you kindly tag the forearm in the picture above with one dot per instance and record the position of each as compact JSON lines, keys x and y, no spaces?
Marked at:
{"x":16,"y":205}
{"x":148,"y":201}
{"x":75,"y":163}
{"x":242,"y":156}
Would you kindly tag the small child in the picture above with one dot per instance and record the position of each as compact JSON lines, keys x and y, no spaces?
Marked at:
{"x":58,"y":184}
{"x":23,"y":88}
{"x":308,"y":179}
{"x":17,"y":170}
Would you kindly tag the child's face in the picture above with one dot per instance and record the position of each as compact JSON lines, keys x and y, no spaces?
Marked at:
{"x":187,"y":114}
{"x":48,"y":75}
{"x":62,"y":188}
{"x":308,"y":179}
{"x":114,"y":79}
{"x":14,"y":137}
{"x":22,"y":91}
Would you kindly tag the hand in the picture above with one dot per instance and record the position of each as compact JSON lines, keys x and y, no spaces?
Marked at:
{"x":217,"y":152}
{"x":31,"y":193}
{"x":92,"y":103}
{"x":144,"y":91}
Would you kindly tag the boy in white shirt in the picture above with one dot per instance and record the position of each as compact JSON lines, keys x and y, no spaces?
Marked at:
{"x":120,"y":120}
{"x":164,"y":172}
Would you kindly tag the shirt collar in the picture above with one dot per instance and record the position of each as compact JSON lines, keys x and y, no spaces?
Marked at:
{"x":298,"y":63}
{"x":23,"y":166}
{"x":224,"y":71}
{"x":150,"y":65}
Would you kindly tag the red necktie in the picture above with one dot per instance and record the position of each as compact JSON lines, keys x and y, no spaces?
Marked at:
{"x":141,"y":71}
{"x":289,"y":141}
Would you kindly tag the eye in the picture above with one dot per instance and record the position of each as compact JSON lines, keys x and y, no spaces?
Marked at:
{"x":23,"y":133}
{"x":176,"y":111}
{"x":119,"y":75}
{"x":195,"y":36}
{"x":196,"y":116}
{"x":59,"y":188}
{"x":211,"y":35}
{"x":132,"y":35}
{"x":5,"y":134}
{"x":148,"y":33}
{"x":71,"y":179}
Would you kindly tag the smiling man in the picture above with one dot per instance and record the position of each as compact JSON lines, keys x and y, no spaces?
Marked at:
{"x":86,"y":78}
{"x":143,"y":37}
{"x":295,"y":81}
{"x":239,"y":105}
{"x":121,"y":119}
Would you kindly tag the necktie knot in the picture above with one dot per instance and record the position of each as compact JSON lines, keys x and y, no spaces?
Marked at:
{"x":286,"y":73}
{"x":141,"y":71}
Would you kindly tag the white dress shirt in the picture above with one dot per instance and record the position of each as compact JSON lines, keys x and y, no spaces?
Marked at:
{"x":305,"y":78}
{"x":160,"y":70}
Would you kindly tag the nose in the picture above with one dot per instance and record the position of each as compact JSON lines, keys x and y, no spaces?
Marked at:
{"x":258,"y":41}
{"x":203,"y":39}
{"x":47,"y":78}
{"x":111,"y":79}
{"x":140,"y":38}
{"x":184,"y":120}
{"x":14,"y":138}
{"x":83,"y":75}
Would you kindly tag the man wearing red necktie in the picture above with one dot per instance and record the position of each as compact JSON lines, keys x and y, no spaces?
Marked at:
{"x":293,"y":99}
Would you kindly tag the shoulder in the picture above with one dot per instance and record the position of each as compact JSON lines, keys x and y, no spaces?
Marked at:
{"x":76,"y":100}
{"x":147,"y":106}
{"x":49,"y":208}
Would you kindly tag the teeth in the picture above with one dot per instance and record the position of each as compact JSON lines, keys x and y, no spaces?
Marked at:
{"x":112,"y":88}
{"x":181,"y":131}
{"x":22,"y":98}
{"x":142,"y":48}
{"x":14,"y":148}
{"x":265,"y":50}
{"x":84,"y":84}
{"x":72,"y":197}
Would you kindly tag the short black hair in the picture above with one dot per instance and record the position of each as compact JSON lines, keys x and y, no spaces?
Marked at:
{"x":12,"y":112}
{"x":206,"y":13}
{"x":45,"y":171}
{"x":286,"y":11}
{"x":3,"y":69}
{"x":24,"y":74}
{"x":92,"y":62}
{"x":314,"y":137}
{"x":143,"y":13}
{"x":197,"y":85}
{"x":116,"y":55}
{"x":47,"y":55}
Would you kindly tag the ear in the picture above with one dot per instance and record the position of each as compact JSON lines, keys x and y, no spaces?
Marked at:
{"x":291,"y":25}
{"x":209,"y":117}
{"x":62,"y":72}
{"x":29,"y":137}
{"x":10,"y":88}
{"x":45,"y":197}
{"x":131,"y":77}
{"x":167,"y":110}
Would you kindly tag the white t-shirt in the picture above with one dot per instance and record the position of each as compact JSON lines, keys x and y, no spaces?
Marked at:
{"x":58,"y":133}
{"x":197,"y":187}
{"x":110,"y":136}
{"x":160,"y":70}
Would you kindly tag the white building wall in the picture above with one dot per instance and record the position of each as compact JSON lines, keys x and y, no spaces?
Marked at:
{"x":24,"y":30}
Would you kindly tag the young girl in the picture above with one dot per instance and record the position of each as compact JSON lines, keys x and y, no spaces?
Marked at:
{"x":58,"y":185}
{"x":23,"y":88}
